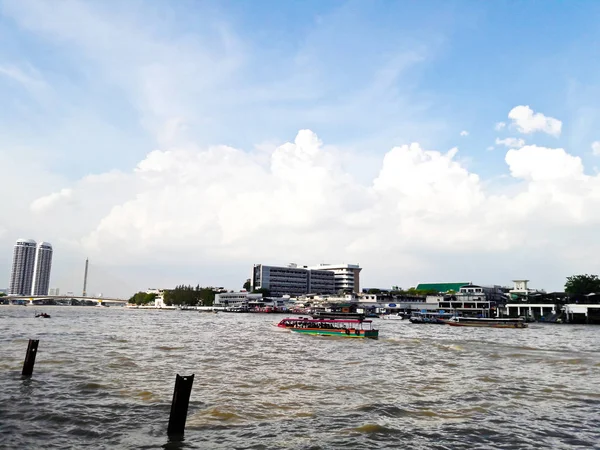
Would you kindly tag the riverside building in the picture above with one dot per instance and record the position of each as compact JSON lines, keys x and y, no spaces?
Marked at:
{"x":42,"y":267}
{"x":235,"y":299}
{"x":292,"y":280}
{"x":21,"y":274}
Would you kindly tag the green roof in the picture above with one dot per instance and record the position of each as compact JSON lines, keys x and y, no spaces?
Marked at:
{"x":440,"y":287}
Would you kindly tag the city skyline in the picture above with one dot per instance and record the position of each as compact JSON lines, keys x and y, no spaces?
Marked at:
{"x":182,"y":142}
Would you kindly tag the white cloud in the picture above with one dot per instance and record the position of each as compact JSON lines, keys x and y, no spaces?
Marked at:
{"x":543,"y":164}
{"x":193,"y":212}
{"x":464,"y":133}
{"x":226,"y":206}
{"x":43,"y":204}
{"x":510,"y":142}
{"x":596,"y":148}
{"x":528,"y":122}
{"x":490,"y":148}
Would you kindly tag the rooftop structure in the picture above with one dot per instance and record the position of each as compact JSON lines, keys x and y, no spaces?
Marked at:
{"x":442,"y":288}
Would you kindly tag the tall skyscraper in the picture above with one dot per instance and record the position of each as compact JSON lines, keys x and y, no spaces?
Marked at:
{"x":21,"y":276}
{"x":43,"y":265}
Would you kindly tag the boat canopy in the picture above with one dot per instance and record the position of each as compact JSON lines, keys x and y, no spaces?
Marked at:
{"x":300,"y":319}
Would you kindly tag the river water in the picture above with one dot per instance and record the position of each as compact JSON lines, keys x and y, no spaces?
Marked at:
{"x":104,"y":378}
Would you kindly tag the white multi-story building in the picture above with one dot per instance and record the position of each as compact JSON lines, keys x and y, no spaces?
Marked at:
{"x":235,"y":299}
{"x":43,"y":266}
{"x":292,"y":280}
{"x":21,"y":275}
{"x":346,"y":276}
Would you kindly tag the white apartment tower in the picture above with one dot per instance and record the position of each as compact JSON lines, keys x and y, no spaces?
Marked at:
{"x":43,"y":265}
{"x":21,"y":275}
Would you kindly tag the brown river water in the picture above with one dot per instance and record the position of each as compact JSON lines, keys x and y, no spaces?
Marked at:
{"x":104,"y":378}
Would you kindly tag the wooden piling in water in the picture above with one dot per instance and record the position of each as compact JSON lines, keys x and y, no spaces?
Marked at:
{"x":179,"y":406}
{"x":30,"y":357}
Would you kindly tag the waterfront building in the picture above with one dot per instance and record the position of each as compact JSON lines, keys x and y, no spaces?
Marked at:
{"x":235,"y":299}
{"x":473,"y":300}
{"x":346,"y":276}
{"x":23,"y":264}
{"x":292,"y":280}
{"x":42,"y":268}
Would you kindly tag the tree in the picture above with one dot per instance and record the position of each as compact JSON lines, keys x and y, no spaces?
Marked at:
{"x":582,"y":284}
{"x":2,"y":294}
{"x":374,"y":291}
{"x":142,"y":298}
{"x":247,"y":285}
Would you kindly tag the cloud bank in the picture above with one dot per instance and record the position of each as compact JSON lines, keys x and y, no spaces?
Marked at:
{"x":220,"y":204}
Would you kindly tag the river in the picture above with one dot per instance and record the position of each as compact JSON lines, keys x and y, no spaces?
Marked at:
{"x":104,"y":378}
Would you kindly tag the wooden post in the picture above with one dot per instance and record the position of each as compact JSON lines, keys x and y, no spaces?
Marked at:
{"x":30,"y":357}
{"x":179,"y":406}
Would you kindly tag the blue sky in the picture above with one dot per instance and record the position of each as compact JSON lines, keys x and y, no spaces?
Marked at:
{"x":94,"y":87}
{"x":441,"y":67}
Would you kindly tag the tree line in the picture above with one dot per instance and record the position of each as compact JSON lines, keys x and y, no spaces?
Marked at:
{"x":190,"y":296}
{"x":181,"y":295}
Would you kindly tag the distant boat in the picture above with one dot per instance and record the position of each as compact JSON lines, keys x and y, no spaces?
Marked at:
{"x":397,"y":316}
{"x":43,"y":315}
{"x":486,"y":322}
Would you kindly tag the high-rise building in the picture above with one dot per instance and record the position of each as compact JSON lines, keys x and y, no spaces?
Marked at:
{"x":43,"y":265}
{"x":347,"y":276}
{"x":21,"y":275}
{"x":292,"y":280}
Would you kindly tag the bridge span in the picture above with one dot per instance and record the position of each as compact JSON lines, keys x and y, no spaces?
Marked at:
{"x":60,"y":299}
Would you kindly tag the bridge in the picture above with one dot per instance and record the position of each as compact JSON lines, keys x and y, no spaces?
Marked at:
{"x":61,"y":299}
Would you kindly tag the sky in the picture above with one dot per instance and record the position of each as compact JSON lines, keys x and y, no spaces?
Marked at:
{"x":183,"y":142}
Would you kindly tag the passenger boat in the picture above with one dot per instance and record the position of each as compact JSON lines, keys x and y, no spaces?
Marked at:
{"x":486,"y":322}
{"x":331,"y":327}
